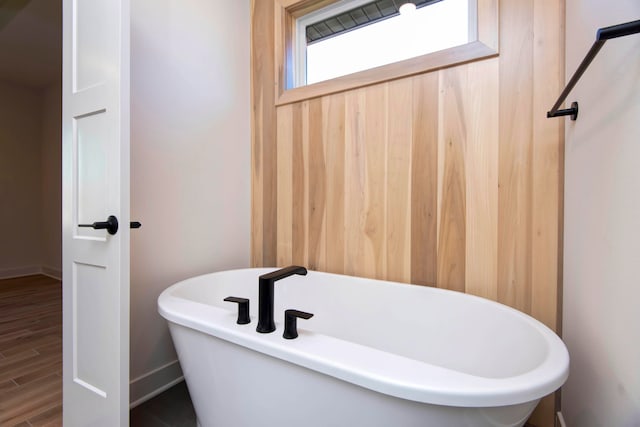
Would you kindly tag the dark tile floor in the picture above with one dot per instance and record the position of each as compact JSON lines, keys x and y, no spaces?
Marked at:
{"x":172,"y":408}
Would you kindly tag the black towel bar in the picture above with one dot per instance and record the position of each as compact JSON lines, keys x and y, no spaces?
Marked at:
{"x":602,"y":36}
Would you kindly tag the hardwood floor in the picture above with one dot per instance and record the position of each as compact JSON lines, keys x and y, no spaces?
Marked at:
{"x":30,"y":352}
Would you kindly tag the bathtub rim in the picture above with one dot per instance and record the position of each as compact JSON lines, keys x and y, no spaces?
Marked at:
{"x":360,"y":364}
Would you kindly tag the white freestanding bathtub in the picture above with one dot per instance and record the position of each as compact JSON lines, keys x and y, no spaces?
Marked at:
{"x":375,"y":354}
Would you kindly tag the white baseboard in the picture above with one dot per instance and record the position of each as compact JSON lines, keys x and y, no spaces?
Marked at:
{"x":561,"y":422}
{"x":154,"y":382}
{"x":12,"y":273}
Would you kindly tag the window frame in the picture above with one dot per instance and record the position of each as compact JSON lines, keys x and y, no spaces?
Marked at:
{"x":484,"y":45}
{"x":299,"y":43}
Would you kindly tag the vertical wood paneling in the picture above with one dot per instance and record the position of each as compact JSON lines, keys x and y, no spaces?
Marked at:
{"x":375,"y":218}
{"x":299,"y":169}
{"x":317,"y":191}
{"x":398,"y":204}
{"x":452,"y":228}
{"x":515,"y":175}
{"x":547,"y":156}
{"x":481,"y":162}
{"x":263,"y":136}
{"x":334,"y":139}
{"x":355,"y":125}
{"x":424,"y":180}
{"x":285,"y":186}
{"x":451,"y":178}
{"x":547,"y":170}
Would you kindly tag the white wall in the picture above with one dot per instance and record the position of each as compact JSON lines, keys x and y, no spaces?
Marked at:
{"x":20,"y":180}
{"x":190,"y":160}
{"x":30,"y":192}
{"x":51,"y":175}
{"x":601,"y":321}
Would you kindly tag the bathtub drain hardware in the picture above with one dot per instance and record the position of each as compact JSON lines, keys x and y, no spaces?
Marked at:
{"x":290,"y":322}
{"x":243,"y":309}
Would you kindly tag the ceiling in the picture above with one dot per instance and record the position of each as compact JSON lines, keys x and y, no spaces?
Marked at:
{"x":31,"y":42}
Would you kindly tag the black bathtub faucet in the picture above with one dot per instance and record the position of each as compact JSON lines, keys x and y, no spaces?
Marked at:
{"x":265,"y":295}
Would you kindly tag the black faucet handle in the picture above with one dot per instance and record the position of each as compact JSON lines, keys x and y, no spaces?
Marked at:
{"x":290,"y":322}
{"x":243,"y":309}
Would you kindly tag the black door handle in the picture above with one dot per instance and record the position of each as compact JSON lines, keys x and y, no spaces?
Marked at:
{"x":111,"y":224}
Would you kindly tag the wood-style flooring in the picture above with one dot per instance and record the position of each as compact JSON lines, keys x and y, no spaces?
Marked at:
{"x":30,"y":352}
{"x":31,"y":362}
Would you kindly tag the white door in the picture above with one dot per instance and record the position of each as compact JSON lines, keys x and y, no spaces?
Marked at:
{"x":95,"y":180}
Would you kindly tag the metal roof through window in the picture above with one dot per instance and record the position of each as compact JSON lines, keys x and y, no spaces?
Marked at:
{"x":358,"y":17}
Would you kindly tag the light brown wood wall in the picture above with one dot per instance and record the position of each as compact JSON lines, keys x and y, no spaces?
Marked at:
{"x":451,"y":178}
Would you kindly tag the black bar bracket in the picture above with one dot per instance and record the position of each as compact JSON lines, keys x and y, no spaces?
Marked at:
{"x":573,"y":112}
{"x":602,"y":35}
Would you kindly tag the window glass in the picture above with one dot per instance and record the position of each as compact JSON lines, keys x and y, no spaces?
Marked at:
{"x":374,"y":34}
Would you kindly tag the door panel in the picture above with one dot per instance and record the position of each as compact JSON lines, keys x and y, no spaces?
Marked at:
{"x":95,"y":185}
{"x":93,"y":24}
{"x":88,"y":346}
{"x":91,"y":166}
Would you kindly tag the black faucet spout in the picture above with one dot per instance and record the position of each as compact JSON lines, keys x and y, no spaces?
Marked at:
{"x":265,"y":295}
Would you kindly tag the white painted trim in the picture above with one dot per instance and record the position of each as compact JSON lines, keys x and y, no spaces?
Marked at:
{"x":154,"y":382}
{"x":154,"y":371}
{"x":561,"y":422}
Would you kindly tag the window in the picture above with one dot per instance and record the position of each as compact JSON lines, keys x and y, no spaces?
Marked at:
{"x":308,"y":63}
{"x":352,"y":36}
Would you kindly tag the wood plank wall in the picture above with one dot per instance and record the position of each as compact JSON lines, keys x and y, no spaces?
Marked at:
{"x":451,"y":178}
